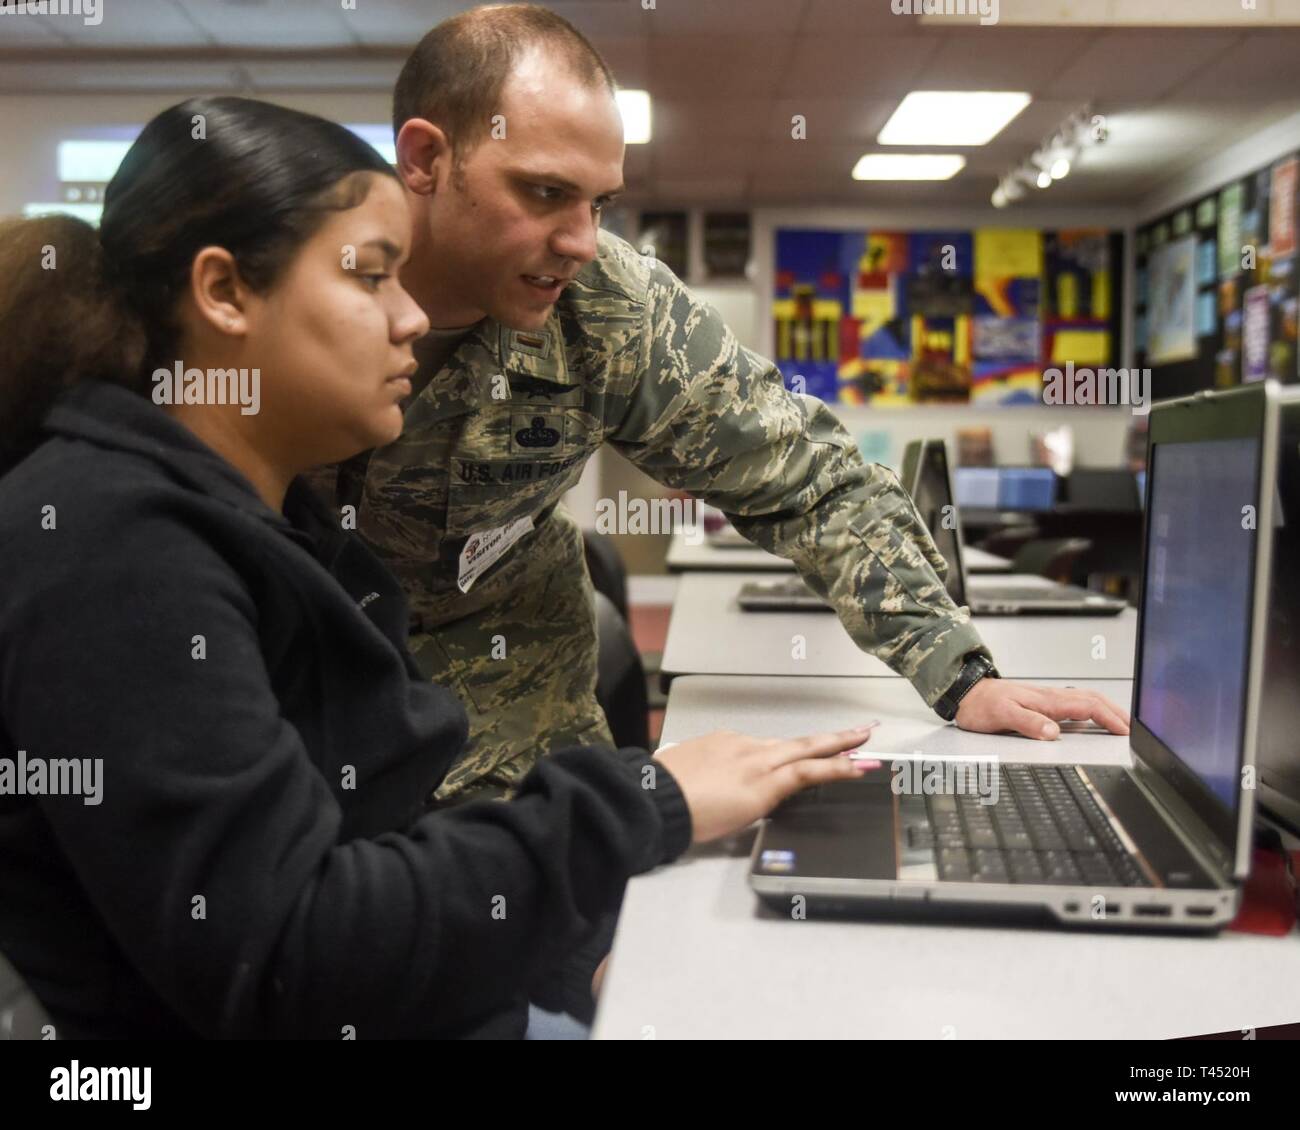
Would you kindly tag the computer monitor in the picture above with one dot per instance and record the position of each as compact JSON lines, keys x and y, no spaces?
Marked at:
{"x":1026,"y":488}
{"x":978,"y":487}
{"x":926,"y":478}
{"x":1279,"y":724}
{"x":1206,"y":554}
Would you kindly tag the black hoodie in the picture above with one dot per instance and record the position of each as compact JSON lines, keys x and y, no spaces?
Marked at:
{"x":260,"y":862}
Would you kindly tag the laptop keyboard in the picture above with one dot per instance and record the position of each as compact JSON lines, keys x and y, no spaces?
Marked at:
{"x":1045,"y":828}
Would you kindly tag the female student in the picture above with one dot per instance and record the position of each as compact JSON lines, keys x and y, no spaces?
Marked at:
{"x":217,"y":749}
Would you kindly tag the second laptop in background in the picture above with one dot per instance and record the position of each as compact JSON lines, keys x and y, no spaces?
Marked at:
{"x":927,"y":478}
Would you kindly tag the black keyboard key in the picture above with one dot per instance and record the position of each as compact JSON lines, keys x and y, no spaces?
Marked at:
{"x":954,"y":865}
{"x":1130,"y":874}
{"x":988,"y":867}
{"x":920,"y":836}
{"x":1096,"y":869}
{"x":1058,"y":867}
{"x":1024,"y":867}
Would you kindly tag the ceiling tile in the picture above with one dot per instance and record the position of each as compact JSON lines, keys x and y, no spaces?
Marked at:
{"x":599,"y":19}
{"x":705,"y":67}
{"x":997,"y":58}
{"x":855,"y":17}
{"x":1254,"y":66}
{"x":142,"y":23}
{"x":397,"y":24}
{"x":727,"y":118}
{"x":830,"y":119}
{"x":720,"y":17}
{"x":832,"y":65}
{"x":1137,"y":64}
{"x":706,"y":157}
{"x":284,"y":24}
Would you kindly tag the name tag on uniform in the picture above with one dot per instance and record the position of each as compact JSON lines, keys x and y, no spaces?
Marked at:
{"x":485,"y":547}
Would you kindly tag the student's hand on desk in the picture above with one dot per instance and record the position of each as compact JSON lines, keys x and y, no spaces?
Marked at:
{"x":994,"y":706}
{"x":730,"y":780}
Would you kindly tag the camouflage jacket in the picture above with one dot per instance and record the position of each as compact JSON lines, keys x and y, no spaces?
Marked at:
{"x":631,"y":358}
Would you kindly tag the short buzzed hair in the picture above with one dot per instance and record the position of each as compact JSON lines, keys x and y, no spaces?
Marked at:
{"x":456,"y":73}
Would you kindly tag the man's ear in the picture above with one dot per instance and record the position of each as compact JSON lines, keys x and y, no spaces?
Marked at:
{"x":422,"y":148}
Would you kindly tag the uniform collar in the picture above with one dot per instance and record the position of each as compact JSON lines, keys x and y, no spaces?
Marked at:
{"x":535,"y":353}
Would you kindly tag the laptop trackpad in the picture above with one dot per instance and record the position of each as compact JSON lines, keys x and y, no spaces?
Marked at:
{"x":843,"y":830}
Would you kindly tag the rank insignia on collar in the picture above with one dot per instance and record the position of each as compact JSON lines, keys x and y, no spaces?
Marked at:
{"x":534,"y":344}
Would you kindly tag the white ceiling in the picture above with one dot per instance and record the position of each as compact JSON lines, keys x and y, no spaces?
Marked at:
{"x":726,"y":77}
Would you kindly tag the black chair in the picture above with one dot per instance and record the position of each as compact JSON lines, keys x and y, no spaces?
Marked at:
{"x":1059,"y":559}
{"x":608,"y":573}
{"x":1008,"y":541}
{"x":620,"y":678}
{"x":21,"y":1014}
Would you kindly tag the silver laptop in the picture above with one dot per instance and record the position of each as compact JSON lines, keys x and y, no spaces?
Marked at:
{"x":927,"y":478}
{"x":1164,"y":844}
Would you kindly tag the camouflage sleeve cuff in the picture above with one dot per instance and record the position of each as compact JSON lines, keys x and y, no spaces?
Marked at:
{"x":938,"y":670}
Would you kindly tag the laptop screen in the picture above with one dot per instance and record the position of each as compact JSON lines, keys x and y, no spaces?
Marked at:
{"x":1197,"y":597}
{"x":932,"y":495}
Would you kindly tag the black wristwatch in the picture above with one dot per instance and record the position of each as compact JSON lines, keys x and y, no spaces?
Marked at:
{"x":972,"y":671}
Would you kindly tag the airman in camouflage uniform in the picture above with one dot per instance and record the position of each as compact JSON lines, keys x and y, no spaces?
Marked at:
{"x":503,"y":428}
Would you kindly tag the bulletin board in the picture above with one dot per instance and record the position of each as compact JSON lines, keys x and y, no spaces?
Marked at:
{"x":1215,"y":302}
{"x":891,"y":318}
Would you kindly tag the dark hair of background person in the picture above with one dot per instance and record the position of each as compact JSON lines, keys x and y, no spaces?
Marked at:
{"x":456,"y":73}
{"x":78,"y":304}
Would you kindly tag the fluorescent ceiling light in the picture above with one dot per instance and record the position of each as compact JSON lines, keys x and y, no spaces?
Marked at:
{"x":951,"y":117}
{"x":634,"y":105}
{"x":1060,"y":168}
{"x":908,"y":166}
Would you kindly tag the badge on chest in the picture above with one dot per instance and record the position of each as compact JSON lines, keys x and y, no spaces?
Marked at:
{"x":484,"y":547}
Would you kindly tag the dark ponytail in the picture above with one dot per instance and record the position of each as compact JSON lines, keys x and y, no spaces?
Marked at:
{"x":76,"y":304}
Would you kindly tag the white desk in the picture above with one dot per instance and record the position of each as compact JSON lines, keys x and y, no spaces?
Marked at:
{"x":980,"y":561}
{"x":682,"y":555}
{"x":697,"y":956}
{"x":710,"y":635}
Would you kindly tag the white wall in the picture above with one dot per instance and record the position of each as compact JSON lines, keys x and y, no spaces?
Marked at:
{"x":31,"y":126}
{"x":1234,"y":161}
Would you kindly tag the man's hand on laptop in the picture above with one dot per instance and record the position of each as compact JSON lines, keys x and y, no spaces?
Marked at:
{"x":994,"y":706}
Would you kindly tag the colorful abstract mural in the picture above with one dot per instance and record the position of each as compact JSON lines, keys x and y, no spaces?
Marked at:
{"x":897,"y":318}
